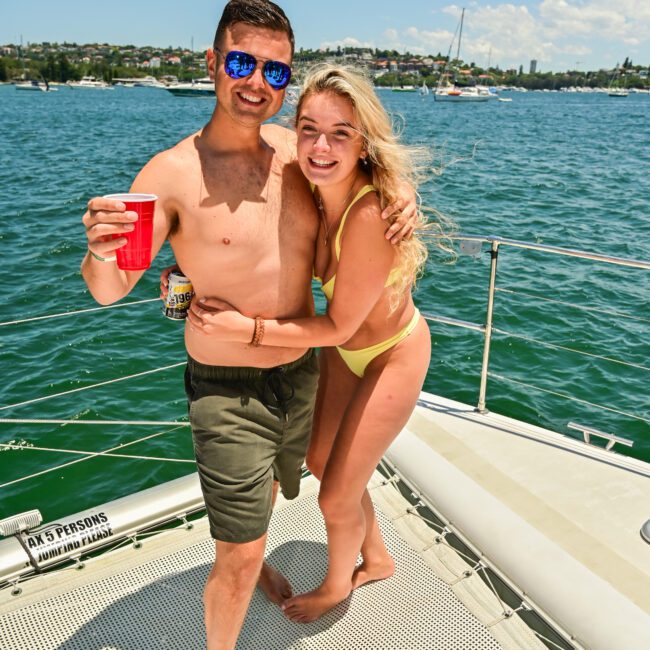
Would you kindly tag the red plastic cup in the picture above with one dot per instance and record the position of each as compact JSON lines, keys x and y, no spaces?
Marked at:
{"x":135,"y":255}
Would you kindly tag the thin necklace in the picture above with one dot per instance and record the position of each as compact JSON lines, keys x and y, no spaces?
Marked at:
{"x":321,"y":212}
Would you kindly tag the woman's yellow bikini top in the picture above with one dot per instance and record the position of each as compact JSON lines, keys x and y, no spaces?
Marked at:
{"x":328,"y":287}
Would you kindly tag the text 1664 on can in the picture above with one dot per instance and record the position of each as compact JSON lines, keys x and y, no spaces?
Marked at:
{"x":179,"y":296}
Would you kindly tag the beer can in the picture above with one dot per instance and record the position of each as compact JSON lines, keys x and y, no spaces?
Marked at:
{"x":179,"y":296}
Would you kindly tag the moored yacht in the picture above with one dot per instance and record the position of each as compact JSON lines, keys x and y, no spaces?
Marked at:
{"x":90,"y":82}
{"x":148,"y":82}
{"x":33,"y":86}
{"x":461,"y":94}
{"x":203,"y":87}
{"x":448,"y":91}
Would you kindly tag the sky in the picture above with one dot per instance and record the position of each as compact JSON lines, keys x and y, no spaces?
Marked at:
{"x":559,"y":34}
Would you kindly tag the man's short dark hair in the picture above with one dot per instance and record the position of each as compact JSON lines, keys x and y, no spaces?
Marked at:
{"x":258,"y":13}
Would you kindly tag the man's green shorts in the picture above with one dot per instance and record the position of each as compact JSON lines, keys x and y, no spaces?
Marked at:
{"x":249,"y":426}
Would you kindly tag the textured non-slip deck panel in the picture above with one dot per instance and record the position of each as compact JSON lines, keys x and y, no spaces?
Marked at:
{"x":158,"y":605}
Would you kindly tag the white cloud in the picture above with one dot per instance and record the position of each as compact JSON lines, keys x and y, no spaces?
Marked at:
{"x":391,"y":35}
{"x":554,"y":32}
{"x":452,"y":10}
{"x":561,"y":19}
{"x":417,"y":41}
{"x":510,"y":30}
{"x":348,"y":41}
{"x":433,"y":40}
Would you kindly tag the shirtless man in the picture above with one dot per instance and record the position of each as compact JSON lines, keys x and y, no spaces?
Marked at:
{"x":241,"y":221}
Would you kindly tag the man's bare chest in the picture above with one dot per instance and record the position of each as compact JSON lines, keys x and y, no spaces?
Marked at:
{"x":243,"y":226}
{"x":248,"y":209}
{"x":246,"y":227}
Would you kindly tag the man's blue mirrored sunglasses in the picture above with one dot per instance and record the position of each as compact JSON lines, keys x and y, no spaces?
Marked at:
{"x":242,"y":64}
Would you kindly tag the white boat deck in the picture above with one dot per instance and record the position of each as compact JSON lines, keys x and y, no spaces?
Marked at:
{"x":558,"y":520}
{"x":150,"y":597}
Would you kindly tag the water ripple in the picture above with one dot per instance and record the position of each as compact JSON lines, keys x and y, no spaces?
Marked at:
{"x":542,"y":168}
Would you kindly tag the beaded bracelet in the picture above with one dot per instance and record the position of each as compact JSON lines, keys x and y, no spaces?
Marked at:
{"x":102,"y":259}
{"x":258,"y":333}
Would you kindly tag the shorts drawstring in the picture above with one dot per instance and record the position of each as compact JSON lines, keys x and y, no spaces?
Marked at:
{"x":277,"y":383}
{"x":272,"y":386}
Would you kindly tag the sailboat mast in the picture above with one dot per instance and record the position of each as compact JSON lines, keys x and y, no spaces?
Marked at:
{"x":22,"y":60}
{"x":460,"y":35}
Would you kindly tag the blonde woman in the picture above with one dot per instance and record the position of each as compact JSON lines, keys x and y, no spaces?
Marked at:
{"x":376,"y":344}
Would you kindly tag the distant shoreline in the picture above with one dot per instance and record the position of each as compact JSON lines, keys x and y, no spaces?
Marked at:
{"x":71,"y":61}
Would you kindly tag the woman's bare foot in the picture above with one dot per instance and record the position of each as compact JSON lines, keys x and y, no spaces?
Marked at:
{"x":371,"y":571}
{"x":274,"y":585}
{"x":310,"y":606}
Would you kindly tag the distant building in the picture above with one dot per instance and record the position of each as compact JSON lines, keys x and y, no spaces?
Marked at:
{"x":533,"y":66}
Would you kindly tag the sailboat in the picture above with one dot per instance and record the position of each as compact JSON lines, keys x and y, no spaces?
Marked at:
{"x":33,"y":85}
{"x":424,"y":90}
{"x":30,"y":84}
{"x":449,"y":92}
{"x":616,"y":91}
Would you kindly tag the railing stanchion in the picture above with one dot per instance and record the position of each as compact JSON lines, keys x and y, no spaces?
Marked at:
{"x":494,"y":254}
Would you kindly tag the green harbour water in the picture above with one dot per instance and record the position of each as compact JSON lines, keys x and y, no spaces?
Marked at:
{"x":560,"y":169}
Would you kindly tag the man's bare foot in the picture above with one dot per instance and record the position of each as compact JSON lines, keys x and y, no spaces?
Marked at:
{"x":372,"y":571}
{"x":308,"y":607}
{"x":274,"y":585}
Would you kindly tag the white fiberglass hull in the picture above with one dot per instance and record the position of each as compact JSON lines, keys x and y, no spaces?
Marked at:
{"x":540,"y":506}
{"x":460,"y":97}
{"x":30,"y":87}
{"x":191,"y":90}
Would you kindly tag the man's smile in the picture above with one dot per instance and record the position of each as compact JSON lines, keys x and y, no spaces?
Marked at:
{"x":248,"y":98}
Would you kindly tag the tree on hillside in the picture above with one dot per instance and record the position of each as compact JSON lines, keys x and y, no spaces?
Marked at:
{"x":65,"y":70}
{"x":50,"y":70}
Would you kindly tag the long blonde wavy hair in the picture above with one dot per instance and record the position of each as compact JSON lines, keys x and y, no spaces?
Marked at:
{"x":390,"y":163}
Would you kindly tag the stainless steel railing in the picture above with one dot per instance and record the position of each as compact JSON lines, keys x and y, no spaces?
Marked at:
{"x":487,"y":328}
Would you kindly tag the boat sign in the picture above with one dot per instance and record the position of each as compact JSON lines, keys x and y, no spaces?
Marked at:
{"x":57,"y":539}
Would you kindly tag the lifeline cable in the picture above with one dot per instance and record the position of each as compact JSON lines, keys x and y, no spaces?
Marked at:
{"x":73,"y":313}
{"x":102,"y":383}
{"x":81,"y":460}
